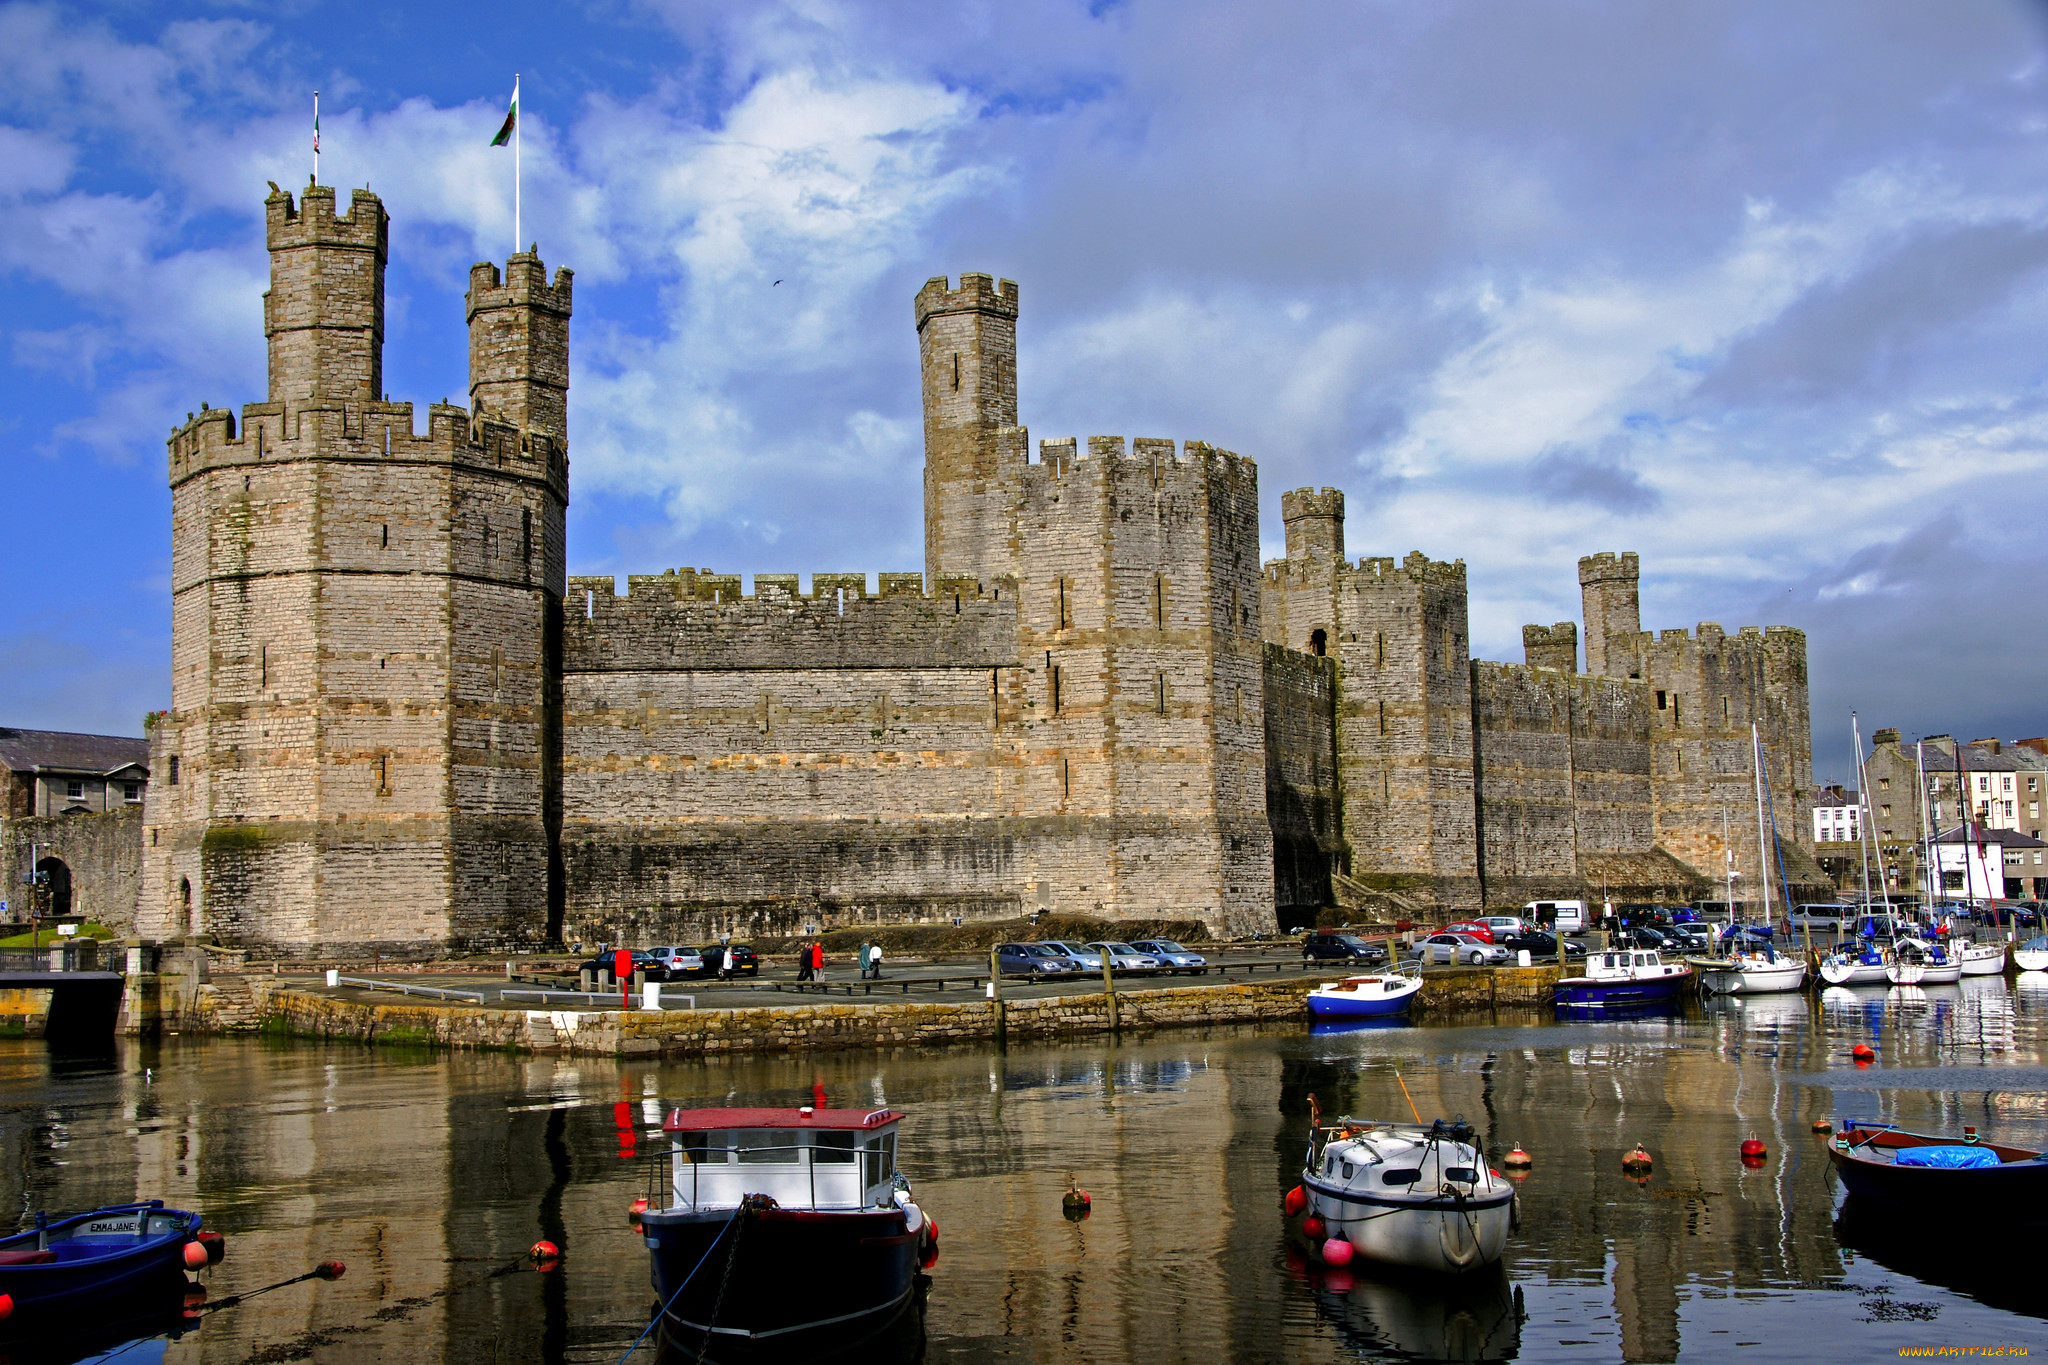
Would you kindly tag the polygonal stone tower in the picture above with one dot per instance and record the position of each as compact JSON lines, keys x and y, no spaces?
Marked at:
{"x":362,"y":747}
{"x":967,"y":348}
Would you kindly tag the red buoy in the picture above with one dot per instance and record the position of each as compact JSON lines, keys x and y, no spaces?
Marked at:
{"x":544,"y":1250}
{"x":195,"y":1255}
{"x":633,"y":1212}
{"x":931,"y":1229}
{"x":1517,"y":1159}
{"x":330,"y":1270}
{"x":1753,"y":1147}
{"x":1313,"y":1228}
{"x":1864,"y":1054}
{"x":1636,"y":1162}
{"x":1337,"y":1251}
{"x":1823,"y":1126}
{"x":1295,"y":1202}
{"x":216,"y":1246}
{"x":6,"y":1307}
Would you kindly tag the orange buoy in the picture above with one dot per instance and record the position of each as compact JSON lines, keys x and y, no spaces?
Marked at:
{"x":1295,"y":1202}
{"x":1864,"y":1054}
{"x":1752,"y":1146}
{"x":543,"y":1250}
{"x":216,"y":1246}
{"x":1337,"y":1251}
{"x":1517,"y":1159}
{"x":1637,"y":1162}
{"x":195,"y":1255}
{"x":633,"y":1212}
{"x":6,"y":1307}
{"x":1313,"y":1228}
{"x":1823,"y":1126}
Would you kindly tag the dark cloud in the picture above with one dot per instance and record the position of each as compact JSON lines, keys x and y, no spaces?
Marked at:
{"x":1564,"y":473}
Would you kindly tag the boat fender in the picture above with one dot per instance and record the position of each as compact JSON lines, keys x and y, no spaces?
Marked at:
{"x":195,"y":1255}
{"x":1296,"y":1201}
{"x":1337,"y":1251}
{"x":216,"y":1247}
{"x":6,"y":1307}
{"x":1313,"y":1228}
{"x":1445,"y":1237}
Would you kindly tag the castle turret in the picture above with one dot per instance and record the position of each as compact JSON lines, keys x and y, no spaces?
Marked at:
{"x":967,"y":345}
{"x":519,"y":344}
{"x":1315,"y":522}
{"x":1608,"y":584}
{"x":1552,"y":646}
{"x":324,"y":313}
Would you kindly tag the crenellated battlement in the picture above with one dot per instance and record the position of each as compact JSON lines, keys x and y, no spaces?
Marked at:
{"x":1153,"y":457}
{"x":1377,"y":570}
{"x":1607,"y":566}
{"x":332,"y":429}
{"x":312,"y":221}
{"x":978,"y":293}
{"x":707,"y":587}
{"x":524,"y":283}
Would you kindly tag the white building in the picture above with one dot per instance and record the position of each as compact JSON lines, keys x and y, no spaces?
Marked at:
{"x":1837,"y":816}
{"x":1990,"y":864}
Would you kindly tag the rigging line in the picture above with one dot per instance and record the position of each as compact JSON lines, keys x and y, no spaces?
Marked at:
{"x":661,"y":1312}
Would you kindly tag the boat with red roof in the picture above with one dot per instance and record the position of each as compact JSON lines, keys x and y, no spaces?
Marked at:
{"x":786,"y":1229}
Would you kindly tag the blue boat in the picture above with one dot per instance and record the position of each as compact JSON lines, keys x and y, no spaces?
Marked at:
{"x":1633,"y":979}
{"x":92,"y":1263}
{"x":1364,"y":997}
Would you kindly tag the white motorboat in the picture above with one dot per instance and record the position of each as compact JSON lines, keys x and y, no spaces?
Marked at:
{"x":2032,"y":956}
{"x":1916,"y":962}
{"x":1750,"y":973}
{"x":1980,"y":959}
{"x":1861,"y":966}
{"x":1408,"y":1196}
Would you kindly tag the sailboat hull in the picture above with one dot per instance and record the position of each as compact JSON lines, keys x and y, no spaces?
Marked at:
{"x":1758,"y":979}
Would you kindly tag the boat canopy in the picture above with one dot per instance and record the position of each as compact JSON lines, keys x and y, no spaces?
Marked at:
{"x":705,"y":1120}
{"x":820,"y":1159}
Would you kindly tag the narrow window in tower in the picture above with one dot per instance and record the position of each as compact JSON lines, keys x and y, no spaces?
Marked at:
{"x":526,"y":538}
{"x":263,"y":666}
{"x":1066,"y":780}
{"x":259,"y":440}
{"x":1675,"y":722}
{"x":1448,"y":641}
{"x":956,"y":372}
{"x":487,"y":539}
{"x":1162,"y":694}
{"x":589,"y":603}
{"x":841,"y":595}
{"x":1379,"y":649}
{"x":1159,"y":600}
{"x":1724,"y":708}
{"x":1677,"y":758}
{"x":497,"y":671}
{"x":387,"y":440}
{"x":1319,"y":643}
{"x":1062,"y":586}
{"x":384,"y":536}
{"x":1237,"y":704}
{"x":1383,"y":717}
{"x":1055,"y":689}
{"x":383,"y":775}
{"x":956,"y":604}
{"x":1660,"y":699}
{"x":174,"y":770}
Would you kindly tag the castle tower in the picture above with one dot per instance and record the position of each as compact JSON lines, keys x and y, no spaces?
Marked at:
{"x":1552,"y":646}
{"x":1608,"y":585}
{"x":519,"y":344}
{"x":324,"y":313}
{"x":1314,"y":518}
{"x":967,"y":348}
{"x":357,"y":754}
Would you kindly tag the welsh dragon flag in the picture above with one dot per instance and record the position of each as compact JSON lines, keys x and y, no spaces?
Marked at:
{"x":511,"y":120}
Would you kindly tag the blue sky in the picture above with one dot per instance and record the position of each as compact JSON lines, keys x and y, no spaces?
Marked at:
{"x":1755,"y":290}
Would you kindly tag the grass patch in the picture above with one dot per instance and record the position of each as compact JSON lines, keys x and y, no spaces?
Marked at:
{"x":50,"y":938}
{"x":405,"y":1037}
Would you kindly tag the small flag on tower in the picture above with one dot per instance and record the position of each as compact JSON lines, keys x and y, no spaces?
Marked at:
{"x":511,"y":120}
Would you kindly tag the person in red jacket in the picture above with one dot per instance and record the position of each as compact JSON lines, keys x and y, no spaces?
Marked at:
{"x":818,"y":960}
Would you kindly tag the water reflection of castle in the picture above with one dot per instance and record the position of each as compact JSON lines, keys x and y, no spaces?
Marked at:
{"x":428,"y":1174}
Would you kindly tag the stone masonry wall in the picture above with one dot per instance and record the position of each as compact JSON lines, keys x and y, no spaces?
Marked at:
{"x":1301,"y":781}
{"x":103,"y":852}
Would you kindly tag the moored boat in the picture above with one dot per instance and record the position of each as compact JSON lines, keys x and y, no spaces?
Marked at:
{"x":1750,"y":973}
{"x":1623,"y":980}
{"x":1364,"y":997}
{"x":89,"y":1265}
{"x":1916,"y":962}
{"x":758,"y":1193}
{"x":1953,"y":1184}
{"x":1981,"y":959}
{"x":1853,"y":965}
{"x":2032,"y":956}
{"x":1405,"y":1195}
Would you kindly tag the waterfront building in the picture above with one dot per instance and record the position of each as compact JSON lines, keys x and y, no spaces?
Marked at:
{"x":70,"y":825}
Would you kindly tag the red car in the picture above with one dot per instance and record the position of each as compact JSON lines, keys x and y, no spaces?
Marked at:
{"x":1476,"y":930}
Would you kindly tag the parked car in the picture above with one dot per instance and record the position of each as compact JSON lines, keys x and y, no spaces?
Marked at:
{"x":1085,"y":958}
{"x":643,"y":961}
{"x":1819,"y":918}
{"x":1542,"y":945}
{"x":1176,"y":958}
{"x":1691,"y":936}
{"x":1643,"y":936}
{"x":1466,"y":948}
{"x":744,"y":963}
{"x":1124,"y":958}
{"x":1033,"y":959}
{"x":1503,"y":926}
{"x":1478,"y":929}
{"x":680,"y":962}
{"x":1567,"y":917}
{"x":1326,"y":947}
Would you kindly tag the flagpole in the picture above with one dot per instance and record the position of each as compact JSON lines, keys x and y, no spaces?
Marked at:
{"x":316,"y":137}
{"x":516,"y":121}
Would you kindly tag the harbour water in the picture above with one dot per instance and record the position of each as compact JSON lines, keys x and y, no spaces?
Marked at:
{"x":430,"y":1174}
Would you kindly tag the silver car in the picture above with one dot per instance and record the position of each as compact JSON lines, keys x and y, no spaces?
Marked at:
{"x":1124,"y":958}
{"x":1469,"y":949}
{"x":1086,"y":958}
{"x":679,"y":961}
{"x":1176,"y":958}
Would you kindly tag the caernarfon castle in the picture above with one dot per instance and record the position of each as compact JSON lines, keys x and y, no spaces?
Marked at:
{"x":397,"y":722}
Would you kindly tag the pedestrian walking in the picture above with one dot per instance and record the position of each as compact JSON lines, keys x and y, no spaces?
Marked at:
{"x":875,"y":963}
{"x":803,"y":963}
{"x":818,"y":961}
{"x":726,"y":971}
{"x":862,"y":958}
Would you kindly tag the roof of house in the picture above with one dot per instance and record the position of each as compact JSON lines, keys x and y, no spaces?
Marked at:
{"x":1989,"y":834}
{"x":1977,"y":757}
{"x":25,"y":751}
{"x":1833,"y":794}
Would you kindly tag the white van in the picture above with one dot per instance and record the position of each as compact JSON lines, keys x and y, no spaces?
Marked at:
{"x":1566,"y":917}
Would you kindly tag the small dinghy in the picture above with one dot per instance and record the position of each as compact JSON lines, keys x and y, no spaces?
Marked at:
{"x":1916,"y":962}
{"x":1947,"y":1185}
{"x":2032,"y":956}
{"x":1406,"y":1196}
{"x":1364,"y":997}
{"x":1854,"y":966}
{"x":1622,"y":981}
{"x":91,"y":1264}
{"x":1981,"y":959}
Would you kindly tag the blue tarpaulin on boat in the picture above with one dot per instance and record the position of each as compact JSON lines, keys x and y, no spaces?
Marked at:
{"x":1946,"y":1158}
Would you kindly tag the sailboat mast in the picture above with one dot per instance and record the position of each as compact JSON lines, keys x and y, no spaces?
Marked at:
{"x":1763,"y":866}
{"x":1875,"y":851}
{"x":1928,"y":860}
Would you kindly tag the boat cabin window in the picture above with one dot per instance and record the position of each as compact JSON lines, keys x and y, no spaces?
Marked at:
{"x":1464,"y":1175}
{"x":832,"y":1148}
{"x":767,"y":1147}
{"x":1349,"y":1170}
{"x":1400,"y":1177}
{"x":880,"y":1152}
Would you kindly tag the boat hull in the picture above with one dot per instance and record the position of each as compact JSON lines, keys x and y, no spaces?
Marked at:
{"x":1444,"y":1234}
{"x":781,"y":1279}
{"x":94,"y":1274}
{"x":1982,"y":963}
{"x":1588,"y":994}
{"x":1755,"y":980}
{"x":2014,"y":1194}
{"x":1325,"y":1003}
{"x":2031,"y":959}
{"x":1837,"y":973}
{"x":1923,"y":973}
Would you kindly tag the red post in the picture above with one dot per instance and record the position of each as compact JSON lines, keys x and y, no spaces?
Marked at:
{"x":622,"y":968}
